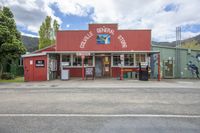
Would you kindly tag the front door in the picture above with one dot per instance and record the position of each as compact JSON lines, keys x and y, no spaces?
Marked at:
{"x":102,"y":66}
{"x":106,"y":66}
{"x":168,"y":69}
{"x":98,"y":67}
{"x":28,"y":69}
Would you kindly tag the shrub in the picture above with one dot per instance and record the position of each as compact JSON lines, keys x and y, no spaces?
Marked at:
{"x":7,"y":76}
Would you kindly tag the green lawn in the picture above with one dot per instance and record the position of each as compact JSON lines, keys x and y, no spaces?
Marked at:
{"x":17,"y":79}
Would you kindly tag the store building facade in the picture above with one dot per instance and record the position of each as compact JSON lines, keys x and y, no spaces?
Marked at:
{"x":101,"y":51}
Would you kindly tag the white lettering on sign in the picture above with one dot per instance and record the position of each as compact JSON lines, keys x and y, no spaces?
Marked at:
{"x":83,"y":53}
{"x":122,"y":41}
{"x":99,"y":31}
{"x":85,"y":39}
{"x":105,"y":30}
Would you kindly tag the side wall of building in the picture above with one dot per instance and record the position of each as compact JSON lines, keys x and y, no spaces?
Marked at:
{"x":182,"y":65}
{"x":34,"y":70}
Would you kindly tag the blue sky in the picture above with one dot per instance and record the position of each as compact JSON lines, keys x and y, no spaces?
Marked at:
{"x":171,"y":7}
{"x":72,"y":22}
{"x":161,"y":16}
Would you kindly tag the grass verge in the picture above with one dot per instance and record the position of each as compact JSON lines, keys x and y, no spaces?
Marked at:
{"x":17,"y":79}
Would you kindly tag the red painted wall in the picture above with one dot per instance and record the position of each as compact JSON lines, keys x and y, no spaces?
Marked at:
{"x":33,"y":73}
{"x":75,"y":72}
{"x":137,"y":40}
{"x":115,"y":72}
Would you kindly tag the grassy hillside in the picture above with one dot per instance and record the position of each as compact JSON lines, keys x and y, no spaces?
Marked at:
{"x":192,"y":43}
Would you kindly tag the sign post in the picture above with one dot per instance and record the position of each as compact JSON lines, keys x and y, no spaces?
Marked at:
{"x":159,"y":78}
{"x":83,"y":54}
{"x":83,"y":75}
{"x":121,"y":68}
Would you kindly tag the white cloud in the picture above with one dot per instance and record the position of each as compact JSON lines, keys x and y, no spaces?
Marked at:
{"x":137,"y":14}
{"x":30,"y":14}
{"x":30,"y":35}
{"x":73,"y":7}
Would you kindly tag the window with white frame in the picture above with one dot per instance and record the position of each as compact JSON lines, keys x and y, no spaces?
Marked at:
{"x":21,"y":62}
{"x":77,"y":61}
{"x":129,"y":60}
{"x":88,"y":61}
{"x":116,"y":60}
{"x":66,"y":58}
{"x":140,"y":58}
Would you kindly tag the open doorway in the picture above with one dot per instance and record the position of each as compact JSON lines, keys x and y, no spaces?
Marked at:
{"x":102,"y":66}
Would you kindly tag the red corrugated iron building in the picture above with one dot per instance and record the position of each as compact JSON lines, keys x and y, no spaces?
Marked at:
{"x":107,"y":50}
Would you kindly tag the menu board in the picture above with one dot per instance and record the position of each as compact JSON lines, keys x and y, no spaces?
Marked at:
{"x":89,"y":71}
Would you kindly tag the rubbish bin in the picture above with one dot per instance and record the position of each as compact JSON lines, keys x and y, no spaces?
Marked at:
{"x":143,"y":73}
{"x":125,"y":75}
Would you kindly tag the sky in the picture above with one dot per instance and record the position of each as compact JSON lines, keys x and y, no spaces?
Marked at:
{"x":161,"y":16}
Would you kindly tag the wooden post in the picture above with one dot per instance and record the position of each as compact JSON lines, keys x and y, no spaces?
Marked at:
{"x":83,"y":71}
{"x":121,"y":74}
{"x":159,"y":78}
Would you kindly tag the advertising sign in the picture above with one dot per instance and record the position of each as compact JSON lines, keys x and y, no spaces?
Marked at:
{"x":121,"y":57}
{"x":39,"y":63}
{"x":103,"y":39}
{"x":83,"y":54}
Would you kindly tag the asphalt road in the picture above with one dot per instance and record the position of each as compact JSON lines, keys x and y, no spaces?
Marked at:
{"x":100,"y":110}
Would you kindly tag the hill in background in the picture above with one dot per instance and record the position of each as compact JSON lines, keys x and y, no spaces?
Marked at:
{"x":31,"y":43}
{"x":191,"y":43}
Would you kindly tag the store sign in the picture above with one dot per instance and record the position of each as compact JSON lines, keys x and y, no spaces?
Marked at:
{"x":39,"y":63}
{"x":122,"y":41}
{"x":83,"y":53}
{"x":127,"y":70}
{"x":85,"y":39}
{"x":105,"y":30}
{"x":103,"y":37}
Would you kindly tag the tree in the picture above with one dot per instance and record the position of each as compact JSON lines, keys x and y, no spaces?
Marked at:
{"x":47,"y":33}
{"x":55,"y":27}
{"x":11,"y":46}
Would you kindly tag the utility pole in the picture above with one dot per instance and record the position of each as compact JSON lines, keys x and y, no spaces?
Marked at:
{"x":178,"y":56}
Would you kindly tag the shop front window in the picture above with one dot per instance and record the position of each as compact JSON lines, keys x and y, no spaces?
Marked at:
{"x":129,"y":59}
{"x":88,"y":61}
{"x":140,"y":58}
{"x":116,"y":60}
{"x":77,"y":61}
{"x":66,"y":58}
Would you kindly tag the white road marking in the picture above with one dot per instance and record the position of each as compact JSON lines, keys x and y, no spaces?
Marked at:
{"x":101,"y":115}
